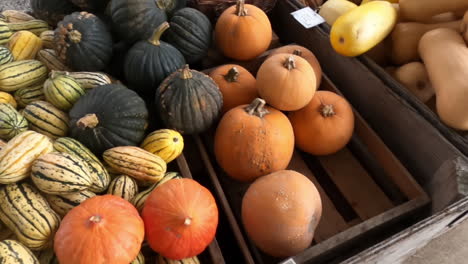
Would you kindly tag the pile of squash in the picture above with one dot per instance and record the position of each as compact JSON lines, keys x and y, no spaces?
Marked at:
{"x":421,"y":43}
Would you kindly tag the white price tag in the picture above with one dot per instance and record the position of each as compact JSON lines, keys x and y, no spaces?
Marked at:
{"x":308,"y":18}
{"x":289,"y":261}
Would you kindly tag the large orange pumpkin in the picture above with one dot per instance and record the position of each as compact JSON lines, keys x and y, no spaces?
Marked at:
{"x":304,"y":53}
{"x":253,"y":140}
{"x":325,"y":125}
{"x":236,"y":84}
{"x":286,"y":82}
{"x":280,"y":212}
{"x":102,"y":229}
{"x":180,"y":218}
{"x":243,"y":31}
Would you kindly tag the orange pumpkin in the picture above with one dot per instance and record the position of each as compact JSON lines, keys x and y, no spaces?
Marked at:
{"x":253,"y":140}
{"x":243,"y":31}
{"x":180,"y":218}
{"x":236,"y":84}
{"x":286,"y":82}
{"x":280,"y":212}
{"x":102,"y":229}
{"x":325,"y":125}
{"x":304,"y":53}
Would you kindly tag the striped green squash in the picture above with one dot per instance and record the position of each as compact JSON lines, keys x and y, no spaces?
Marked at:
{"x":5,"y":33}
{"x":13,"y":252}
{"x":28,"y":215}
{"x":35,"y":26}
{"x":99,"y":175}
{"x":123,"y":186}
{"x":5,"y":55}
{"x":62,"y":204}
{"x":60,"y":173}
{"x":192,"y":260}
{"x":45,"y":118}
{"x":90,"y":80}
{"x":27,"y":95}
{"x":51,"y":60}
{"x":140,"y":259}
{"x":23,"y":73}
{"x":12,"y":123}
{"x":17,"y":156}
{"x":47,"y":256}
{"x":47,"y":38}
{"x":139,"y":200}
{"x":62,"y":91}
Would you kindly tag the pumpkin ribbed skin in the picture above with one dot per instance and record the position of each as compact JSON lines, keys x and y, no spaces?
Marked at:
{"x":51,"y":60}
{"x":52,"y":11}
{"x":27,"y":95}
{"x":12,"y":123}
{"x":136,"y":19}
{"x":7,"y":98}
{"x":60,"y":173}
{"x":62,"y":91}
{"x":99,"y":176}
{"x":166,"y":143}
{"x":47,"y":38}
{"x":20,"y":74}
{"x":17,"y":156}
{"x":190,"y":32}
{"x":139,"y":200}
{"x":28,"y":215}
{"x":35,"y":26}
{"x":188,"y":101}
{"x":5,"y":54}
{"x":5,"y":33}
{"x":45,"y":118}
{"x":13,"y":252}
{"x":95,"y":122}
{"x":83,"y":41}
{"x":90,"y":80}
{"x":63,"y":203}
{"x":192,"y":260}
{"x":123,"y":186}
{"x":24,"y":45}
{"x":136,"y":162}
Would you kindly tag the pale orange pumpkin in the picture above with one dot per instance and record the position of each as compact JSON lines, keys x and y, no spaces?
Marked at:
{"x":236,"y":84}
{"x":243,"y":31}
{"x":253,"y":140}
{"x":325,"y":125}
{"x":286,"y":82}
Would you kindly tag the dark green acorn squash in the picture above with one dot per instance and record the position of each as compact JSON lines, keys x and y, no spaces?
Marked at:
{"x":52,"y":11}
{"x":148,"y":62}
{"x":91,"y":5}
{"x":188,"y":101}
{"x":109,"y":116}
{"x":190,"y":33}
{"x":170,"y":6}
{"x":84,"y":42}
{"x":136,"y":19}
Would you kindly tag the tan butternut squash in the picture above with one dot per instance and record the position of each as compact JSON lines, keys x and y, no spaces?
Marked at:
{"x":405,"y":38}
{"x":425,"y":10}
{"x":464,"y":27}
{"x":444,"y":17}
{"x":445,"y":54}
{"x":413,"y":76}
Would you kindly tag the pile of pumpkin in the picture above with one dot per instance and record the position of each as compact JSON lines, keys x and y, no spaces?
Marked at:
{"x":421,"y":43}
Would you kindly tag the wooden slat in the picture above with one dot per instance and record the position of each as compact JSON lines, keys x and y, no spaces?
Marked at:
{"x":331,"y":222}
{"x":359,"y":189}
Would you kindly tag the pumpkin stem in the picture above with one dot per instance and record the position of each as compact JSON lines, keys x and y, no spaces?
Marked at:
{"x":290,"y":63}
{"x":157,"y":33}
{"x":232,"y":75}
{"x":240,"y":8}
{"x":88,"y":121}
{"x":297,"y":52}
{"x":95,"y":219}
{"x":187,"y":221}
{"x":74,"y":36}
{"x":186,"y":73}
{"x":327,"y":110}
{"x":257,"y":108}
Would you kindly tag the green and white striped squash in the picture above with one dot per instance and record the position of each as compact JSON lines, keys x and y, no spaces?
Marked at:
{"x":13,"y":252}
{"x":139,"y":200}
{"x":90,"y":80}
{"x":20,"y":74}
{"x":5,"y":33}
{"x":62,"y":91}
{"x":45,"y":118}
{"x":12,"y":123}
{"x":27,"y":95}
{"x":123,"y":186}
{"x":5,"y":55}
{"x":140,"y":259}
{"x":62,"y":204}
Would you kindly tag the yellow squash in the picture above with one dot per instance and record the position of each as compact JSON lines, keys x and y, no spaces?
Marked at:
{"x":166,"y":143}
{"x":332,"y":9}
{"x":362,"y":28}
{"x":7,"y":99}
{"x":24,"y":45}
{"x":391,"y":1}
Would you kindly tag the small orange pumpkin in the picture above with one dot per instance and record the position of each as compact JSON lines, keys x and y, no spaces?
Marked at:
{"x":286,"y":82}
{"x":243,"y":31}
{"x":304,"y":53}
{"x":253,"y":140}
{"x":236,"y":84}
{"x":325,"y":125}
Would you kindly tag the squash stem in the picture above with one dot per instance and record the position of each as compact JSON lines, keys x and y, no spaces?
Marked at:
{"x":88,"y":121}
{"x":327,"y":110}
{"x":240,"y":8}
{"x":257,"y":108}
{"x":74,"y":36}
{"x":297,"y":53}
{"x":290,"y":63}
{"x":157,"y":33}
{"x":232,"y":75}
{"x":186,"y":73}
{"x":95,"y":219}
